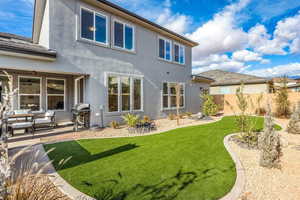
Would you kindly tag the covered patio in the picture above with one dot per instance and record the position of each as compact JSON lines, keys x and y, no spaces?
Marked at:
{"x":43,"y":99}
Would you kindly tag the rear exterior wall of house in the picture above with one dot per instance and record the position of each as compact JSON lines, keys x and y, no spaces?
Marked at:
{"x":100,"y":61}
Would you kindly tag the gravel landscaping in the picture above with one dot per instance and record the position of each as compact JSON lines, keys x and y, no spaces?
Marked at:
{"x":272,"y":184}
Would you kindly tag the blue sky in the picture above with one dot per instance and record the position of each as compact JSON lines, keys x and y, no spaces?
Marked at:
{"x":260,"y":37}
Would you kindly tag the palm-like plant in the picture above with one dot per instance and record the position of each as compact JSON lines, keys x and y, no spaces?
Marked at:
{"x":131,"y":120}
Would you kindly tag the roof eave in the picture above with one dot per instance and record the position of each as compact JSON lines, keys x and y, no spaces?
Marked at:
{"x":27,"y":53}
{"x":239,"y":83}
{"x":38,"y":14}
{"x":198,"y":78}
{"x":119,"y":11}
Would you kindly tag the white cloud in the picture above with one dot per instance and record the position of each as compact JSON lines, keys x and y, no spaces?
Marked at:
{"x":229,"y":65}
{"x":286,"y":34}
{"x":246,"y":56}
{"x":176,"y":22}
{"x":261,"y":41}
{"x":220,"y":34}
{"x":159,"y":12}
{"x":211,"y":59}
{"x":280,"y":70}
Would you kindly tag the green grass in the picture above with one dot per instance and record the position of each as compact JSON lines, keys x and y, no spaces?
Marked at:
{"x":188,"y":164}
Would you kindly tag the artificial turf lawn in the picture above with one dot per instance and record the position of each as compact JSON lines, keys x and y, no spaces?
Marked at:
{"x":188,"y":164}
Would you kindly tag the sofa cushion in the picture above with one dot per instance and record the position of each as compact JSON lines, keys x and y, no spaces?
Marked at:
{"x":20,"y":125}
{"x":21,"y":112}
{"x":42,"y":121}
{"x":49,"y":113}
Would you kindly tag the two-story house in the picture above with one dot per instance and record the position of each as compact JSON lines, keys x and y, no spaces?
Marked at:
{"x":96,"y":52}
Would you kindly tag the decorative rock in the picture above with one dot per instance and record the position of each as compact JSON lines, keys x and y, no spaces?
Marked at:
{"x":200,"y":115}
{"x":284,"y":143}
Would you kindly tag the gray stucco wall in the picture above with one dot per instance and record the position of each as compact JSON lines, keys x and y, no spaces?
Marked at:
{"x":95,"y":60}
{"x":77,"y":56}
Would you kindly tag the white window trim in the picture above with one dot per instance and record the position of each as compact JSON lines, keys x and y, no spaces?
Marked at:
{"x":94,"y":32}
{"x":132,"y":77}
{"x":21,"y":94}
{"x":171,"y":49}
{"x":76,"y":87}
{"x":56,"y":95}
{"x":169,"y":95}
{"x":124,"y":39}
{"x":179,"y":45}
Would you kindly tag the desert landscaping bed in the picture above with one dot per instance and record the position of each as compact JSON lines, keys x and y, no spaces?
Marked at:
{"x":162,"y":125}
{"x":272,"y":184}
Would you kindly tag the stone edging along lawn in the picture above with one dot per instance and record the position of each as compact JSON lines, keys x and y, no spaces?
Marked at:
{"x":75,"y":194}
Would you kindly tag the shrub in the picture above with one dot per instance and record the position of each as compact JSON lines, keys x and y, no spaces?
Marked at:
{"x":269,"y":143}
{"x":131,"y":120}
{"x":209,"y":106}
{"x":28,"y":181}
{"x":114,"y":125}
{"x":282,"y":100}
{"x":181,"y":115}
{"x":242,"y":119}
{"x":189,"y":114}
{"x":294,"y":123}
{"x":172,"y":116}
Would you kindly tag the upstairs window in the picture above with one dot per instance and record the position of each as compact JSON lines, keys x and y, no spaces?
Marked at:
{"x":93,"y":26}
{"x":165,"y":49}
{"x":123,"y":36}
{"x":179,"y":54}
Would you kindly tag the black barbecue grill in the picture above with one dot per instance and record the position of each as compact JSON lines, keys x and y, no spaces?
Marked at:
{"x":81,"y":116}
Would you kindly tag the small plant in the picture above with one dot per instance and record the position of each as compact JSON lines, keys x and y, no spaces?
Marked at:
{"x":181,"y":115}
{"x":131,"y":120}
{"x":28,"y":181}
{"x":114,"y":125}
{"x":269,"y":143}
{"x":146,"y":119}
{"x":294,"y":123}
{"x":209,"y":106}
{"x":172,"y":116}
{"x":244,"y":122}
{"x":282,"y":100}
{"x":189,"y":114}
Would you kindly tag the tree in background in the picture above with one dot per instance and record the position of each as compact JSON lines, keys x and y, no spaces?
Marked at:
{"x":282,"y":100}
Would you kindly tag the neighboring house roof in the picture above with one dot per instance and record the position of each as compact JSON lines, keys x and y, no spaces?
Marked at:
{"x":223,"y":78}
{"x":115,"y":9}
{"x":280,"y":80}
{"x":204,"y":79}
{"x":14,"y":45}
